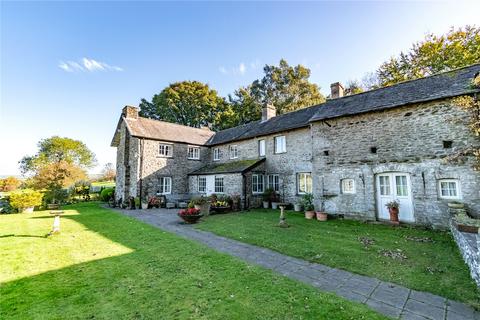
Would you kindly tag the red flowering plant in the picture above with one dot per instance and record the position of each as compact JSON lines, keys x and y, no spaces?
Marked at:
{"x":189,"y":212}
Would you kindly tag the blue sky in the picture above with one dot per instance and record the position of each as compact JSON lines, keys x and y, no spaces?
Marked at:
{"x":68,"y":68}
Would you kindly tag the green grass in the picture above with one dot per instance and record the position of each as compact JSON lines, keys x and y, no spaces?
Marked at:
{"x":104,"y":265}
{"x":106,"y":184}
{"x":435,"y":266}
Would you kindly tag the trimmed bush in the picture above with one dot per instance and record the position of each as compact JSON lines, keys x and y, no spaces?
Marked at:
{"x":27,"y":198}
{"x":107,"y":194}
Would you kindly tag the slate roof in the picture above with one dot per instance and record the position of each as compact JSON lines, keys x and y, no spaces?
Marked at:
{"x":166,"y":131}
{"x":440,"y":86}
{"x":287,"y":121}
{"x":240,"y":166}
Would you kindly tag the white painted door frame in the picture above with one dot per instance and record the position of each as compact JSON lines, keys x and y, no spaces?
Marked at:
{"x":210,"y":185}
{"x":394,"y":186}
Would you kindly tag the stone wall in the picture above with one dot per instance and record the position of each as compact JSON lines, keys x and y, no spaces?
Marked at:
{"x":298,"y":158}
{"x":408,"y":139}
{"x":177,"y":167}
{"x":233,"y":184}
{"x":469,"y":245}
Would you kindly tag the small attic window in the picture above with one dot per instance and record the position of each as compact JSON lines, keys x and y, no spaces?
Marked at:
{"x":325,"y":153}
{"x":447,"y":144}
{"x":373,"y":149}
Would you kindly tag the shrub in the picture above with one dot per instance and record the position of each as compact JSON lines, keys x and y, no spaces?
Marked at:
{"x":59,"y":196}
{"x":200,"y":200}
{"x":307,"y":201}
{"x":25,"y":199}
{"x":107,"y":194}
{"x":5,"y":206}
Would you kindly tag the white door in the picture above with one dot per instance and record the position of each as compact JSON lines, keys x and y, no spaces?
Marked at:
{"x":210,"y":185}
{"x":394,"y":186}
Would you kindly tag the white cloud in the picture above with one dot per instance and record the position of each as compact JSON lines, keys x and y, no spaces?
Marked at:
{"x":223,"y":70}
{"x":241,"y":69}
{"x":87,"y":65}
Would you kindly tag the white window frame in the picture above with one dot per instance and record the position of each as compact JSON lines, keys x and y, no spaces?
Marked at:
{"x":262,"y":148}
{"x":216,"y":154}
{"x":258,"y":180}
{"x":457,"y":189}
{"x":273,"y":182}
{"x":165,"y":185}
{"x":233,"y":151}
{"x":218,"y":179}
{"x":345,"y":186}
{"x":193,"y":153}
{"x":167,"y":150}
{"x":202,"y":185}
{"x":283,"y":146}
{"x":302,"y":181}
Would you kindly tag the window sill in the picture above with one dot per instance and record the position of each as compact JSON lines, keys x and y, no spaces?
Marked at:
{"x":167,"y":157}
{"x":280,"y":152}
{"x":195,"y":159}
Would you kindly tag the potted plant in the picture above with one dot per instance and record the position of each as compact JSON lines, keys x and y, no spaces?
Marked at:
{"x":322,"y":215}
{"x":393,"y":207}
{"x":202,"y":203}
{"x":307,"y":201}
{"x":297,"y":207}
{"x":274,"y":199}
{"x":25,"y":200}
{"x":221,"y":204}
{"x":266,"y":196}
{"x":190,"y":215}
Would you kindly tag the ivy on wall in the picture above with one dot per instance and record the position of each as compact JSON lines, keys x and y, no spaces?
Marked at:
{"x":470,"y":104}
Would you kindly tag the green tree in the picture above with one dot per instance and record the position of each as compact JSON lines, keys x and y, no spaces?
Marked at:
{"x":58,"y":163}
{"x":286,"y":87}
{"x":55,"y":150}
{"x":457,"y":48}
{"x":190,"y":103}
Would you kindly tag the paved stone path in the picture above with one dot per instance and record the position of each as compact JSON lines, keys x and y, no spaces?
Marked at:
{"x":387,"y":298}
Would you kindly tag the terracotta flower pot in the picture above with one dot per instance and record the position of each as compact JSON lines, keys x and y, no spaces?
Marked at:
{"x":309,"y":214}
{"x":321,"y":216}
{"x":393,"y":214}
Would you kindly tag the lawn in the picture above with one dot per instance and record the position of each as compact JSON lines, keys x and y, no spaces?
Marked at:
{"x":104,"y":265}
{"x":420,"y":259}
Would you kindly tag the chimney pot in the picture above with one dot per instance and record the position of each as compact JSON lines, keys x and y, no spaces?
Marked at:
{"x":130,"y":112}
{"x":337,"y":90}
{"x":268,"y":111}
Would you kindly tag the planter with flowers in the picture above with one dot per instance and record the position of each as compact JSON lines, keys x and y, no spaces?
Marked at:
{"x":393,"y":208}
{"x":202,"y":204}
{"x":190,"y":215}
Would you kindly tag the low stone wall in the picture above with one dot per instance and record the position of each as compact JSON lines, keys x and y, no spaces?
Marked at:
{"x":469,"y":245}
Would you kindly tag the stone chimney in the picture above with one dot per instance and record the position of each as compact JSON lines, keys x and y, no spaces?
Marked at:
{"x":130,"y":112}
{"x":268,"y":111}
{"x":336,"y":90}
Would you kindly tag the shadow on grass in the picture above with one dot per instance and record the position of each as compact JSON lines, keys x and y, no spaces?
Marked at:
{"x":163,"y":277}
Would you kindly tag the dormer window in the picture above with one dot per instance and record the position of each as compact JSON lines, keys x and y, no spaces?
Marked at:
{"x":194,"y":153}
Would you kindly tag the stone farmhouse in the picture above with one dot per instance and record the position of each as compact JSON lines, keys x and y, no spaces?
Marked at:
{"x":353,"y":153}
